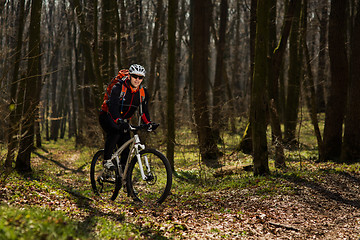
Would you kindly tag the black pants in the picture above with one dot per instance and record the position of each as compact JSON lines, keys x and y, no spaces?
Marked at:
{"x":115,"y":137}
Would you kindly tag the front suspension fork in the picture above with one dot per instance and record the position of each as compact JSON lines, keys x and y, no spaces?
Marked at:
{"x":144,"y":177}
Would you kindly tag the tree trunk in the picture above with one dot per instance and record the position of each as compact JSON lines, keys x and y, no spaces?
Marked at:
{"x":37,"y":129}
{"x":335,"y":109}
{"x":73,"y":118}
{"x":93,"y":36}
{"x":351,"y":145}
{"x":293,"y":90}
{"x":276,"y":61}
{"x":235,"y":72}
{"x":273,"y":86}
{"x":258,"y":92}
{"x":61,"y":106}
{"x":201,"y":35}
{"x":55,"y":121}
{"x":321,"y":77}
{"x":47,"y":112}
{"x":273,"y":93}
{"x":219,"y":82}
{"x":181,"y":25}
{"x":80,"y":123}
{"x":190,"y":81}
{"x":246,"y":142}
{"x":155,"y":47}
{"x":309,"y":84}
{"x":171,"y":81}
{"x":279,"y":52}
{"x":106,"y":28}
{"x":123,"y":20}
{"x":138,"y":55}
{"x":2,"y":5}
{"x":93,"y":82}
{"x":31,"y":88}
{"x":92,"y":67}
{"x":253,"y":21}
{"x":117,"y":27}
{"x":14,"y":119}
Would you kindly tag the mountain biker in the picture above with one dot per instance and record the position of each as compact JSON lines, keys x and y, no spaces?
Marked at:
{"x":124,"y":98}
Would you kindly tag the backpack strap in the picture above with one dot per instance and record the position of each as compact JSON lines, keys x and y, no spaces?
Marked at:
{"x":122,"y":96}
{"x":142,"y":94}
{"x":123,"y":91}
{"x":142,"y":98}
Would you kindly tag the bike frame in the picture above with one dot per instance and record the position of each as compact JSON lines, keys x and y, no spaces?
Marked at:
{"x":135,"y":145}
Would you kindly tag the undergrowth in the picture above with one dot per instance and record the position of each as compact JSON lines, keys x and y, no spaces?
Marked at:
{"x":38,"y":223}
{"x":56,"y":201}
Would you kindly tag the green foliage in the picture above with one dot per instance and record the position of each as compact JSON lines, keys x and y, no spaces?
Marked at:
{"x":107,"y":229}
{"x":37,"y":223}
{"x":56,"y":201}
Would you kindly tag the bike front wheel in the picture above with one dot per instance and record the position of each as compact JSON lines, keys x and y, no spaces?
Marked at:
{"x":157,"y":184}
{"x":105,"y":183}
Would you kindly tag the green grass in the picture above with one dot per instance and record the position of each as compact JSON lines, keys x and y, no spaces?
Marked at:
{"x":38,"y":223}
{"x":56,"y":201}
{"x":41,"y":223}
{"x":39,"y":207}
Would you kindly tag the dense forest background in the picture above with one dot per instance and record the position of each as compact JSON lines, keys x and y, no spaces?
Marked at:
{"x":212,"y":66}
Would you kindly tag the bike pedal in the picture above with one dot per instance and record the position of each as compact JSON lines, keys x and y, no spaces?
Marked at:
{"x":108,"y":164}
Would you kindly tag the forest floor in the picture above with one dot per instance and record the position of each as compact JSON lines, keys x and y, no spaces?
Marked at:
{"x":307,"y":201}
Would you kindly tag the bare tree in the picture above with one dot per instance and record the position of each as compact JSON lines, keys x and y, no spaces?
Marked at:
{"x":106,"y":33}
{"x":13,"y":118}
{"x":335,"y":110}
{"x":246,"y":141}
{"x":155,"y":46}
{"x":124,"y":34}
{"x":293,"y":89}
{"x":2,"y":5}
{"x":309,"y":83}
{"x":258,"y":92}
{"x":32,"y":88}
{"x":171,"y":81}
{"x":321,"y":76}
{"x":351,"y":146}
{"x":200,"y":75}
{"x":273,"y":92}
{"x":220,"y":71}
{"x":92,"y":65}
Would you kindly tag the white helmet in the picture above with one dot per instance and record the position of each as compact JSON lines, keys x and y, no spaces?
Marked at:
{"x":137,"y":70}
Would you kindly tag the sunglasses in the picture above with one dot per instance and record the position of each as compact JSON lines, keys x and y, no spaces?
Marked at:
{"x":137,"y":76}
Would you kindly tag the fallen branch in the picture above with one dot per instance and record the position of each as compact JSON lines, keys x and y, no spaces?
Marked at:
{"x":284,"y":226}
{"x":229,"y":170}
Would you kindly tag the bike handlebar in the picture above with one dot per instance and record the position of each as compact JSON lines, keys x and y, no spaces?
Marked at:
{"x":148,"y":127}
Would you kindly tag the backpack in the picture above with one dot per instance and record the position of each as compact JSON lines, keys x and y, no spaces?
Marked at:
{"x":122,"y":75}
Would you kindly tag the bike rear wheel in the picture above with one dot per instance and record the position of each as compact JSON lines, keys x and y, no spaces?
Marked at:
{"x":157,"y":186}
{"x":105,"y":183}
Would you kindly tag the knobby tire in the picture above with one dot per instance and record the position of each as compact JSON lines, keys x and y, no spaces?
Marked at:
{"x":156,"y":190}
{"x":109,"y":189}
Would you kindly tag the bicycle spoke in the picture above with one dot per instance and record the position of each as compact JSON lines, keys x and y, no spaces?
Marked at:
{"x":156,"y":186}
{"x":105,"y":184}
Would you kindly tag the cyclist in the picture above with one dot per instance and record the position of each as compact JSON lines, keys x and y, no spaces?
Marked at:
{"x":124,"y":96}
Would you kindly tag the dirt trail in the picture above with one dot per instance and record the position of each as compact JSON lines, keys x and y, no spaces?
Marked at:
{"x":319,"y":209}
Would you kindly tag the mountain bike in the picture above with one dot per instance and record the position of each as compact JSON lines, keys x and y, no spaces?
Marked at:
{"x":147,"y":176}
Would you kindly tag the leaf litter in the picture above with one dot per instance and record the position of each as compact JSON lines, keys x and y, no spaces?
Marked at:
{"x":323,"y":206}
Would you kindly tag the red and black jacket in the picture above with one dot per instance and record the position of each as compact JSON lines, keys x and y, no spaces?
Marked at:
{"x":123,"y":105}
